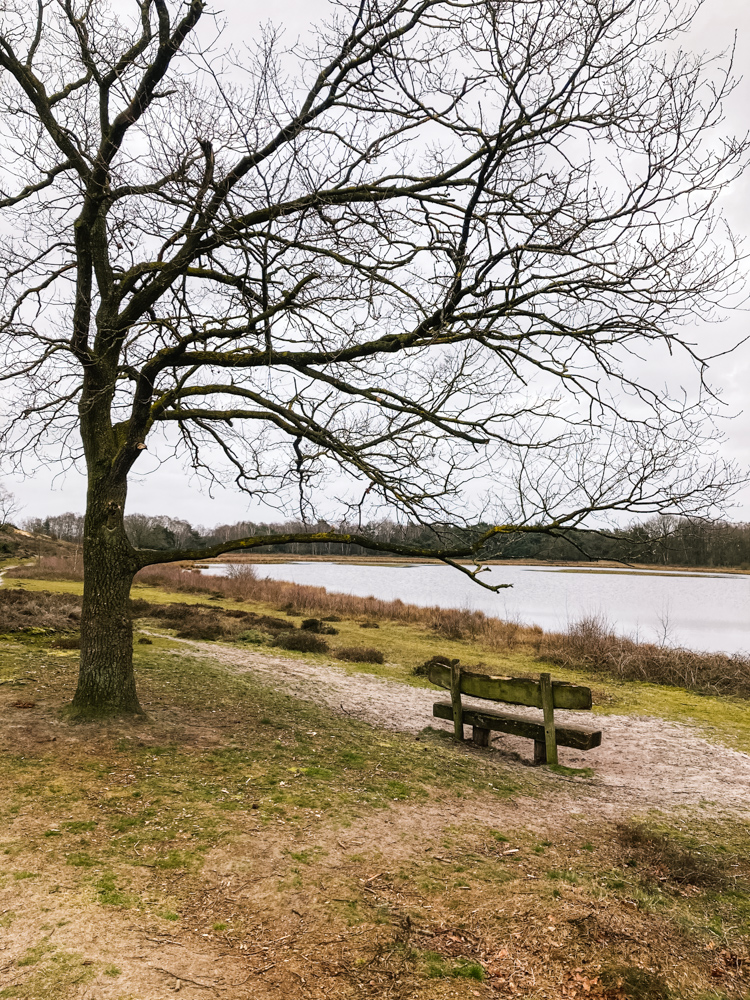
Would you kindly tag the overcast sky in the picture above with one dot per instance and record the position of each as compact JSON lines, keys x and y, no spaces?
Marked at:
{"x":167,"y":489}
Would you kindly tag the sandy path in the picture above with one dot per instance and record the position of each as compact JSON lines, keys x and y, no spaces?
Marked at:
{"x":642,"y":762}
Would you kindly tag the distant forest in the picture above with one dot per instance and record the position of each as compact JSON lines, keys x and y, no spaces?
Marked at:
{"x":667,"y":541}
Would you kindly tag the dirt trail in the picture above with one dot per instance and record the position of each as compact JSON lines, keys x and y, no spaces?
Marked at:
{"x":4,"y":570}
{"x":642,"y":762}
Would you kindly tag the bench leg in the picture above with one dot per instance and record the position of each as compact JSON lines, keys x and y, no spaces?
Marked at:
{"x":545,"y":685}
{"x":480,"y":737}
{"x":540,"y":752}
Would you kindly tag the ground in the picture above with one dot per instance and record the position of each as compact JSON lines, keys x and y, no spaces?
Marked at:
{"x":285,"y":824}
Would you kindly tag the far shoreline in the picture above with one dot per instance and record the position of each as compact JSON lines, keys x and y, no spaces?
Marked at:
{"x":384,"y":560}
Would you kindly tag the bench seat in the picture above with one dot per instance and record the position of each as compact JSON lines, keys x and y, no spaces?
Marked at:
{"x":579,"y":737}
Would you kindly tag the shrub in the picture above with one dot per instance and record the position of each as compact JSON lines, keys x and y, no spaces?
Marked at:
{"x":302,"y":642}
{"x":205,"y":631}
{"x":21,"y":610}
{"x":252,"y":636}
{"x":591,"y":643}
{"x":359,"y":654}
{"x":424,"y":668}
{"x":312,"y":625}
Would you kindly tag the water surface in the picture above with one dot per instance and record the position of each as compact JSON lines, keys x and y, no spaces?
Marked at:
{"x":703,"y":611}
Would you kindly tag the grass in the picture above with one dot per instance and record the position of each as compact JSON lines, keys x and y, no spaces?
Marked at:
{"x":234,"y":808}
{"x":372,"y":837}
{"x":405,"y":646}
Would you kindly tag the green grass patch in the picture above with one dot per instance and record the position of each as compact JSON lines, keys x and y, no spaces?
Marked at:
{"x":439,"y":967}
{"x":60,"y":974}
{"x":108,"y":894}
{"x":571,"y":772}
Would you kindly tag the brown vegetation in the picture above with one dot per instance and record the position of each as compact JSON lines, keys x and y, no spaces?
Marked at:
{"x":359,"y":654}
{"x":17,"y":544}
{"x":207,"y":622}
{"x":661,"y":860}
{"x":591,"y":644}
{"x":52,"y":567}
{"x":302,"y":642}
{"x":22,"y":611}
{"x":588,"y":644}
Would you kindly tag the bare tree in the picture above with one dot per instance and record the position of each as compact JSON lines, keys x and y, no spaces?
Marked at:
{"x":9,"y":506}
{"x":407,"y":264}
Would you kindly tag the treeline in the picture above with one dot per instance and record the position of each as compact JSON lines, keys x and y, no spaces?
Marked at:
{"x":667,"y":541}
{"x":144,"y":531}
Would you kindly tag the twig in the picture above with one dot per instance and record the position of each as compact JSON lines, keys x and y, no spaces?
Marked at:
{"x":184,"y":979}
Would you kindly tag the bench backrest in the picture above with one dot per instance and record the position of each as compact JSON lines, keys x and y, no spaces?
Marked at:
{"x":513,"y":690}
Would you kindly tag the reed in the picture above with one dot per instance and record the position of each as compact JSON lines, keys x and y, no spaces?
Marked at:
{"x":592,"y":644}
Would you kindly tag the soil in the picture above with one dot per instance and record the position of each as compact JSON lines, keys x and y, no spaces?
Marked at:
{"x":642,"y":763}
{"x":278,"y":939}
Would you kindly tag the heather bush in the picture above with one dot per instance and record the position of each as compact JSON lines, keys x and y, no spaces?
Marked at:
{"x":21,"y":610}
{"x":359,"y":654}
{"x":302,"y":642}
{"x":253,"y":637}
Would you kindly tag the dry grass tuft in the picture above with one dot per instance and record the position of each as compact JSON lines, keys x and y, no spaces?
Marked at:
{"x":664,"y":862}
{"x":630,"y":982}
{"x":591,"y":644}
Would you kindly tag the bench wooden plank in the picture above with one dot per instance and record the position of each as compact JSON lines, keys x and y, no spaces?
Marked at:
{"x":513,"y":690}
{"x":578,"y":737}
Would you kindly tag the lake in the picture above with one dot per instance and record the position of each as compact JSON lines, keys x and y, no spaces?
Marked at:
{"x":702,"y":611}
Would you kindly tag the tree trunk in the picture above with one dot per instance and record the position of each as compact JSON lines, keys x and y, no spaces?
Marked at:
{"x":106,"y":683}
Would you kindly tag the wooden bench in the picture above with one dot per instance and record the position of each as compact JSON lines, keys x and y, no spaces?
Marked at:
{"x":544,"y":693}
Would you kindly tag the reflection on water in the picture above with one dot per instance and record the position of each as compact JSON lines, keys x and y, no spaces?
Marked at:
{"x":709,"y":611}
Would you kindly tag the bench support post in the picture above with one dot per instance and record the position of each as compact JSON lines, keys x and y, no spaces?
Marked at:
{"x":458,"y":710}
{"x":545,"y":683}
{"x":480,"y":737}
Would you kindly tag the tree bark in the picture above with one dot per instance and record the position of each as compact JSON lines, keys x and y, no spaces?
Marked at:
{"x":106,"y":682}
